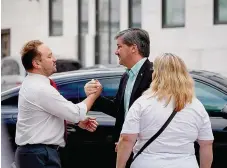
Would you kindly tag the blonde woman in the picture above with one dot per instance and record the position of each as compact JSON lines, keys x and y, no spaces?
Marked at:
{"x":172,"y":88}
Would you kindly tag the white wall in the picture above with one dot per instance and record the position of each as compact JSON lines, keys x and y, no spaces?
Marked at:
{"x":200,"y":43}
{"x":28,"y":20}
{"x":24,"y":21}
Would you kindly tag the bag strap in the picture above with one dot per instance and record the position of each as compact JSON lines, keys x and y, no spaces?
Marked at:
{"x":155,"y":135}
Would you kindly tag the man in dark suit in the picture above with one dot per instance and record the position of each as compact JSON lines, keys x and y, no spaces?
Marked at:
{"x":133,"y":49}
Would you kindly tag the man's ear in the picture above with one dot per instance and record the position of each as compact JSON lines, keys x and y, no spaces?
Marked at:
{"x":35,"y":63}
{"x":134,"y":48}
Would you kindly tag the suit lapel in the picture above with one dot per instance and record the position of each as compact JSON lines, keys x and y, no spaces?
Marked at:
{"x":124,"y":86}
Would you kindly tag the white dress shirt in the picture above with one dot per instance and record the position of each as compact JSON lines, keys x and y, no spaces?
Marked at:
{"x":42,"y":111}
{"x":175,"y":146}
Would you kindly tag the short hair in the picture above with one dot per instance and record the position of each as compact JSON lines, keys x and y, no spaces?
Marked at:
{"x":136,"y":36}
{"x":29,"y":52}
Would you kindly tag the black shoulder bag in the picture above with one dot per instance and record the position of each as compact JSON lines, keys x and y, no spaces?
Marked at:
{"x":155,"y":135}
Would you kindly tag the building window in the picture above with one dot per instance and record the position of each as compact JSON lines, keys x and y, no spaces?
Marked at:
{"x":220,"y":11}
{"x":108,"y":24}
{"x":134,"y":13}
{"x":173,"y":13}
{"x":83,"y":16}
{"x":82,"y":29}
{"x":5,"y":45}
{"x":55,"y":17}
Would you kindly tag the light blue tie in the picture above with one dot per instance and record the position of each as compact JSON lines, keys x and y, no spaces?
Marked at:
{"x":128,"y":90}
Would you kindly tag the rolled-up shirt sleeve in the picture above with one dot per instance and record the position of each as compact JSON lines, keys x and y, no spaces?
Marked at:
{"x":54,"y":103}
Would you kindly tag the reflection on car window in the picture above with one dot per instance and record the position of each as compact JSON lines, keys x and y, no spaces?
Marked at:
{"x":69,"y":90}
{"x":75,"y":91}
{"x":10,"y":67}
{"x":110,"y":87}
{"x":212,"y":99}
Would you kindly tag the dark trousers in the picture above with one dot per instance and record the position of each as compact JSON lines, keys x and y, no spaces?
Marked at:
{"x":37,"y":156}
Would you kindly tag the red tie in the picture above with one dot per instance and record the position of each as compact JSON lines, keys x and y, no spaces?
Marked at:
{"x":52,"y":83}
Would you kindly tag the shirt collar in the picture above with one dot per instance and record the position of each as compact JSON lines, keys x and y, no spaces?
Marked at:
{"x":41,"y":77}
{"x":136,"y":68}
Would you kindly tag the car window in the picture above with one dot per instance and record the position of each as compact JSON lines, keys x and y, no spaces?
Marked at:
{"x":110,"y":87}
{"x":75,"y":91}
{"x":12,"y":101}
{"x":69,"y":91}
{"x":10,"y":67}
{"x":213,"y":99}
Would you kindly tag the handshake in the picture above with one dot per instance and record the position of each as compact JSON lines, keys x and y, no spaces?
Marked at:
{"x":92,"y":88}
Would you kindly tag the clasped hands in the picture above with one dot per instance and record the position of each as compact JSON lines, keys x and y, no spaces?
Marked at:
{"x":92,"y":87}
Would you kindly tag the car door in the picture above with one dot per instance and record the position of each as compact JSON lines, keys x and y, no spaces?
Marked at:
{"x":9,"y":111}
{"x":97,"y":147}
{"x":214,"y":99}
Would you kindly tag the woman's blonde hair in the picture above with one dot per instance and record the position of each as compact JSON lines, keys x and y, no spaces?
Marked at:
{"x":171,"y":80}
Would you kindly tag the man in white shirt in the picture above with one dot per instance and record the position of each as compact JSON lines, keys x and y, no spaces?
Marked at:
{"x":40,"y":128}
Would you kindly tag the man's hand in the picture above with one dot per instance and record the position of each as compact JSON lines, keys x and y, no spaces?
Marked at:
{"x":93,"y":87}
{"x":89,"y":124}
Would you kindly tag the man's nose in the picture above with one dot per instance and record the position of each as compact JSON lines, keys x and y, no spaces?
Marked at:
{"x":54,"y":59}
{"x":116,"y":52}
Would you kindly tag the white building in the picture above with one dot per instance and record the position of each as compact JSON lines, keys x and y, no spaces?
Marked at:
{"x":85,"y":29}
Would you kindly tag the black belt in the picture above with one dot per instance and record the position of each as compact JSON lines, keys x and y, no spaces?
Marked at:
{"x":56,"y":147}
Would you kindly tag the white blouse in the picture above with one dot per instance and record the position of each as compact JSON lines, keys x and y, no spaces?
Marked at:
{"x":175,"y":146}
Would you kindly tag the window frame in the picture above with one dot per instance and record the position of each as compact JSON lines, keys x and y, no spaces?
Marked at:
{"x":81,"y":34}
{"x":6,"y":32}
{"x":130,"y":14}
{"x":107,"y":56}
{"x":51,"y":20}
{"x":164,"y":19}
{"x":216,"y":9}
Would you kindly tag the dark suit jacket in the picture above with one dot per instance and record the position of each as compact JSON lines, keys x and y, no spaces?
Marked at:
{"x":115,"y":107}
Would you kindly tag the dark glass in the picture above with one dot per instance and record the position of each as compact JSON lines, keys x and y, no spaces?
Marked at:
{"x":212,"y":99}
